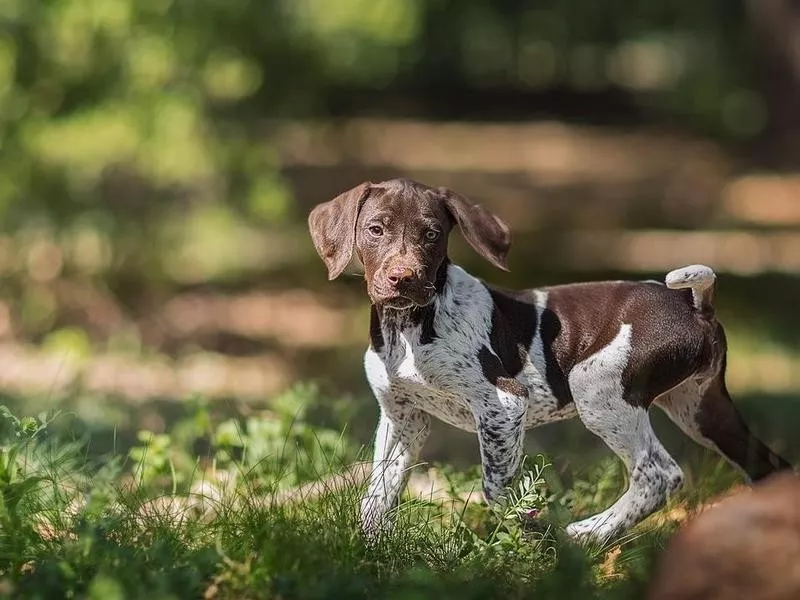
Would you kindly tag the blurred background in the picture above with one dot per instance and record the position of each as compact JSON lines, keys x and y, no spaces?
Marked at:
{"x":158,"y":159}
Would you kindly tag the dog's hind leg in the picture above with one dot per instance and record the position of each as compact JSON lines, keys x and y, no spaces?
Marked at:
{"x":704,"y":411}
{"x":597,"y":388}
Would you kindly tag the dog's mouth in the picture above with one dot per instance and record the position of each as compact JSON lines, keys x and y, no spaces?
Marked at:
{"x":402,"y":301}
{"x":398,"y":303}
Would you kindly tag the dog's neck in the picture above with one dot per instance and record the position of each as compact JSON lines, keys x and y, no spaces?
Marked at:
{"x":384,"y":320}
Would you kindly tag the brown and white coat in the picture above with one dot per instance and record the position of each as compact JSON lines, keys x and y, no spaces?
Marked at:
{"x":445,"y":344}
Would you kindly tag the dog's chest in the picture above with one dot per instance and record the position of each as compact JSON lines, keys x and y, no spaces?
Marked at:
{"x":442,"y":375}
{"x":431,"y":377}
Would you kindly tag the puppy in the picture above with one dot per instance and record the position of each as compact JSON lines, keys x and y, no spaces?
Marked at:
{"x":445,"y":344}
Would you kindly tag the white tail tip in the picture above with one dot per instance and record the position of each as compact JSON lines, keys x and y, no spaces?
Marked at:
{"x":693,"y":276}
{"x":699,"y":278}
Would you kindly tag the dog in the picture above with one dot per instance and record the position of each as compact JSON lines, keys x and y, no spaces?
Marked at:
{"x":496,"y":362}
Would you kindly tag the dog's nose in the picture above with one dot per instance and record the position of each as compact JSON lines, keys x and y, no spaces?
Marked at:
{"x":398,"y":274}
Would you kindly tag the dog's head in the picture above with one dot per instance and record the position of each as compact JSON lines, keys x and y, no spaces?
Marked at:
{"x":399,"y":230}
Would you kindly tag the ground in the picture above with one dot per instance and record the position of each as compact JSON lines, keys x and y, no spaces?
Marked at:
{"x":259,"y":508}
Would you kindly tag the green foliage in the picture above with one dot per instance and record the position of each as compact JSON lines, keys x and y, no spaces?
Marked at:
{"x":599,"y":488}
{"x":152,"y":458}
{"x":138,"y":141}
{"x":26,"y":469}
{"x":108,"y":106}
{"x":518,"y":552}
{"x":279,"y":447}
{"x":90,"y":88}
{"x":75,"y":529}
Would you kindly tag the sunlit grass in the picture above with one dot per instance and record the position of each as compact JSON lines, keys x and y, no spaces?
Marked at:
{"x":162,"y":522}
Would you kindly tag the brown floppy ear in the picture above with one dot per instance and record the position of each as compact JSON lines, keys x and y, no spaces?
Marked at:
{"x":333,"y":228}
{"x":485,"y":232}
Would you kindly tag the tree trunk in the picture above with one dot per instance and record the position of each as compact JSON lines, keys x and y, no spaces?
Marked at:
{"x":776,"y":28}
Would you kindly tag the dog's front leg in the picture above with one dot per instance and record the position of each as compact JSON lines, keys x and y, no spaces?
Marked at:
{"x":400,"y":435}
{"x":500,"y":419}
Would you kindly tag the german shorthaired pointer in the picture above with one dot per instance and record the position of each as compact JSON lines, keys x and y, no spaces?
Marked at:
{"x":446,"y":344}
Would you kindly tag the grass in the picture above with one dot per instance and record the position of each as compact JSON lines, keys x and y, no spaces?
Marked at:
{"x":162,"y":521}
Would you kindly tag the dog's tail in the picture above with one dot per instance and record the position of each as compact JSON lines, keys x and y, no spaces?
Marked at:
{"x":700,"y":279}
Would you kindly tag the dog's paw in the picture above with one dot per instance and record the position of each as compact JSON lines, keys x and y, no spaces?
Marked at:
{"x":371,"y":529}
{"x":578,"y":532}
{"x":375,"y":525}
{"x":591,"y":530}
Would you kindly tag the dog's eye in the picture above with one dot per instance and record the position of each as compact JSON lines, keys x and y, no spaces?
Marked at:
{"x":376,"y":230}
{"x":431,"y":235}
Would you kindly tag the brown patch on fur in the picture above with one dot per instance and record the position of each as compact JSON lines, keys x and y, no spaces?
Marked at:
{"x":513,"y":328}
{"x":332,"y":227}
{"x":494,"y":371}
{"x":669,"y":340}
{"x":719,"y":421}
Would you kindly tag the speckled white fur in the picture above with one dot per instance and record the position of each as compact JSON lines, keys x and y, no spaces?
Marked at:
{"x":597,"y":389}
{"x":413,"y":380}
